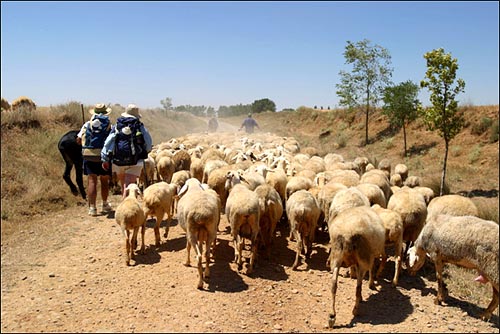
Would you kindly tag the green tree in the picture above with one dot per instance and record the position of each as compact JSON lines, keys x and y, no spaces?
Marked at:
{"x":401,"y":105}
{"x":166,"y":103}
{"x":371,"y":72}
{"x":263,"y":105}
{"x":443,"y":115}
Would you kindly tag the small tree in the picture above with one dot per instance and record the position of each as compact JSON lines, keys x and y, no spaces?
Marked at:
{"x":401,"y":105}
{"x":370,"y":74}
{"x":263,"y":105}
{"x":443,"y":115}
{"x":167,"y":103}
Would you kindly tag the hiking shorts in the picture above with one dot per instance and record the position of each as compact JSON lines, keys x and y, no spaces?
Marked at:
{"x":132,"y":170}
{"x":92,"y":167}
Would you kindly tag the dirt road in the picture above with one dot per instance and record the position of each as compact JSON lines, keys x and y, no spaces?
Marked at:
{"x":67,"y":273}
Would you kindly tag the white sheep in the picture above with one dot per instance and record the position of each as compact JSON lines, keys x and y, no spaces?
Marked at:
{"x":465,"y":241}
{"x":402,"y":171}
{"x":129,"y":215}
{"x":454,"y":205}
{"x":410,"y":204}
{"x":296,"y":183}
{"x":393,"y":225}
{"x":325,"y":197}
{"x":199,"y":215}
{"x":243,"y":214}
{"x":374,"y":194}
{"x":271,"y":210}
{"x":165,"y":168}
{"x":357,"y":237}
{"x":303,"y":212}
{"x":379,"y":178}
{"x":157,"y":200}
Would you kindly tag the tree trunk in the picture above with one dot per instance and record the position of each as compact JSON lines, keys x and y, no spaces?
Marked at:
{"x":366,"y":119}
{"x":404,"y":136}
{"x":444,"y":167}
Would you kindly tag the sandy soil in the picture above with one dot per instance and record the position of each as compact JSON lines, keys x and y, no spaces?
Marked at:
{"x":67,"y":273}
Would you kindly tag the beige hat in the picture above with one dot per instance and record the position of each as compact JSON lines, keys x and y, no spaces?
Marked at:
{"x":100,"y":109}
{"x":132,"y":110}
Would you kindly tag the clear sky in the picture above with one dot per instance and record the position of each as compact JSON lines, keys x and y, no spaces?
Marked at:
{"x":226,"y":53}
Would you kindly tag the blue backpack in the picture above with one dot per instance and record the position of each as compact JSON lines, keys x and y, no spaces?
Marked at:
{"x":94,"y":137}
{"x":130,"y":146}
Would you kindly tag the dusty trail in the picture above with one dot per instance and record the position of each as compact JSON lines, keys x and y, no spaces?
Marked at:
{"x":67,"y":273}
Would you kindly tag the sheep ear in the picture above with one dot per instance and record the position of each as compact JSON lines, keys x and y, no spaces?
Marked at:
{"x":183,"y":190}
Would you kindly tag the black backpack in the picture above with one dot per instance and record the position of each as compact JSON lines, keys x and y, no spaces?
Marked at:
{"x":94,"y":137}
{"x":130,"y":146}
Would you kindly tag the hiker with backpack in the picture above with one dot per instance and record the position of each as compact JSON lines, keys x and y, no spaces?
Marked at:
{"x":92,"y":136}
{"x":126,"y":147}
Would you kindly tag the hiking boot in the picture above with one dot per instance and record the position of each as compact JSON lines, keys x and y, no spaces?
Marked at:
{"x":92,"y":211}
{"x":106,"y":207}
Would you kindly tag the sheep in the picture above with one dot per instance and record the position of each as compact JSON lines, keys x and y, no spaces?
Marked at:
{"x":374,"y":194}
{"x":296,"y":183}
{"x":303,"y":212}
{"x":271,"y":210}
{"x":157,"y":200}
{"x":243,"y":213}
{"x":166,"y":168}
{"x":454,"y":205}
{"x":71,"y":152}
{"x":210,"y":166}
{"x":199,"y":217}
{"x":217,"y":182}
{"x":179,"y":178}
{"x":310,"y":174}
{"x":147,"y":173}
{"x":129,"y":215}
{"x":346,"y":198}
{"x":252,"y":179}
{"x":349,"y":178}
{"x":361,"y":162}
{"x":466,"y":241}
{"x":325,"y":197}
{"x":412,"y":181}
{"x":427,"y":192}
{"x":196,"y":169}
{"x":357,"y":237}
{"x":182,"y":160}
{"x":396,"y":180}
{"x":380,"y":178}
{"x":385,"y":166}
{"x":402,"y":171}
{"x":393,"y":236}
{"x":410,"y":204}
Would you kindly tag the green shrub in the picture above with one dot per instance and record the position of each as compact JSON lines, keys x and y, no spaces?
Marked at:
{"x":455,"y":151}
{"x":494,"y":133}
{"x":482,"y":126}
{"x":475,"y":154}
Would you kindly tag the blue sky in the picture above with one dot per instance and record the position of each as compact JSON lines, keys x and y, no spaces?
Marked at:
{"x":226,"y":53}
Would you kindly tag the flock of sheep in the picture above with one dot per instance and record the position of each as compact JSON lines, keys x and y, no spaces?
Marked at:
{"x":261,"y":178}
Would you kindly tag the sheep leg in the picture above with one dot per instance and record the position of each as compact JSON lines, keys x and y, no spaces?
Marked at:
{"x":359,"y":298}
{"x":486,"y":315}
{"x":210,"y":240}
{"x":199,"y":250}
{"x":298,"y":251}
{"x":335,"y":270}
{"x":371,"y":277}
{"x":187,"y":263}
{"x":143,"y":232}
{"x":442,"y":290}
{"x":253,"y":256}
{"x":167,"y":225}
{"x":127,"y":248}
{"x":397,"y":271}
{"x":381,"y":266}
{"x":239,"y":245}
{"x":134,"y":242}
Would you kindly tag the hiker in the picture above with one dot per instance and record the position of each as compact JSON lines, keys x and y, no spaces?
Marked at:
{"x":249,"y":123}
{"x":126,"y":147}
{"x":92,"y":136}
